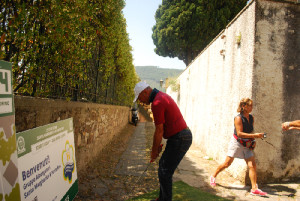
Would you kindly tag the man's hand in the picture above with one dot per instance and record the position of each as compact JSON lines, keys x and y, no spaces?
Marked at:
{"x":160,"y":148}
{"x":285,"y":126}
{"x":292,"y":125}
{"x":157,"y":138}
{"x":155,"y":153}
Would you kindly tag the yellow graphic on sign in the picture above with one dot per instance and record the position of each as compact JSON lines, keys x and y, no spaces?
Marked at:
{"x":68,"y":161}
{"x":14,"y":195}
{"x":7,"y":147}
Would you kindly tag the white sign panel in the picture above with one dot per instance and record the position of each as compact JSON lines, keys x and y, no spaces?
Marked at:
{"x":6,"y":105}
{"x":47,"y":165}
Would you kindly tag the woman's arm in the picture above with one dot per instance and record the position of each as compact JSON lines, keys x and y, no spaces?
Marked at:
{"x":239,"y":129}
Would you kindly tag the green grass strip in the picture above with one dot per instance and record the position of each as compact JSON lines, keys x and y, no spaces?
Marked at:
{"x":182,"y":192}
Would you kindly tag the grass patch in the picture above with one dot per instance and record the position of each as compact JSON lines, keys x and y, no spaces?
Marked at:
{"x":182,"y":192}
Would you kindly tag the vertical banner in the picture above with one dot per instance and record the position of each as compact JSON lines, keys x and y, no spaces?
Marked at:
{"x":47,"y":165}
{"x":9,"y":185}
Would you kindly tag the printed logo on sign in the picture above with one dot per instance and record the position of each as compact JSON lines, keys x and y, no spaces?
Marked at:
{"x":5,"y":82}
{"x":21,"y":145}
{"x":68,"y":161}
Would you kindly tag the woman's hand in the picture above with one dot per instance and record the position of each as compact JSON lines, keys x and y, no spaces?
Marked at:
{"x":258,"y":135}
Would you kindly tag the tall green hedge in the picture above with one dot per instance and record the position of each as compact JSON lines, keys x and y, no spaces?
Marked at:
{"x":72,"y":49}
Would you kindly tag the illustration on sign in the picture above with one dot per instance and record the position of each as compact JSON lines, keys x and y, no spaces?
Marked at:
{"x":68,"y":162}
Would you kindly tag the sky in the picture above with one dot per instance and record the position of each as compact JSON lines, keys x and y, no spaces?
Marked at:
{"x":140,"y":19}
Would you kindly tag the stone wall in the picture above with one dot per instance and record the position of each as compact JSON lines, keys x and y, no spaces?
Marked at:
{"x":256,"y":56}
{"x":94,"y":124}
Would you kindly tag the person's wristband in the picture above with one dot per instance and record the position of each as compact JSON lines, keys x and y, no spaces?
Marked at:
{"x":288,"y":124}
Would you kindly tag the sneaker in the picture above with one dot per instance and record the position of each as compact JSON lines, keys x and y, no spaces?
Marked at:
{"x":258,"y":192}
{"x":213,"y":181}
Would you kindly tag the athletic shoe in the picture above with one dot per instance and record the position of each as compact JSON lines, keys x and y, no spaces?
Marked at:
{"x":213,"y":181}
{"x":258,"y":192}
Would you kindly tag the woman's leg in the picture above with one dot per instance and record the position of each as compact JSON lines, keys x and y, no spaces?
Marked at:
{"x":224,"y":165}
{"x":252,"y":171}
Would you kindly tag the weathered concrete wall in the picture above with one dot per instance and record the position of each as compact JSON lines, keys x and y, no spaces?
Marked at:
{"x":276,"y":86}
{"x":211,"y":87}
{"x":94,"y":124}
{"x":262,"y":67}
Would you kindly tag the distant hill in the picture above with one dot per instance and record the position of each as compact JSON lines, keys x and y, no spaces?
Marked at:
{"x":152,"y":74}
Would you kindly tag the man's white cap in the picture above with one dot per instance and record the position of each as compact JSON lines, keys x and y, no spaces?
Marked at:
{"x":139,"y":87}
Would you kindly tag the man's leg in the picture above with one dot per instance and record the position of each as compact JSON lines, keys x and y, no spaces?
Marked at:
{"x":176,"y":148}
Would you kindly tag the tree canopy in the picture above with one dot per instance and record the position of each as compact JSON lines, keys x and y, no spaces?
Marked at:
{"x":184,"y":28}
{"x":73,"y":49}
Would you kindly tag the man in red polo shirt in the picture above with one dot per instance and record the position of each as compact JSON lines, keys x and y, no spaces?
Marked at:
{"x":169,"y":124}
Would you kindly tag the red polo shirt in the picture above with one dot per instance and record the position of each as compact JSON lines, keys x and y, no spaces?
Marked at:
{"x":165,"y":111}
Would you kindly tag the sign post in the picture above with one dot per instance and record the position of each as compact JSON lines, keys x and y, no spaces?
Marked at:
{"x":9,"y":185}
{"x":47,"y":165}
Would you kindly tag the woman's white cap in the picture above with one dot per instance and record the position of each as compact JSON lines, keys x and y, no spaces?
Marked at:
{"x":139,"y":87}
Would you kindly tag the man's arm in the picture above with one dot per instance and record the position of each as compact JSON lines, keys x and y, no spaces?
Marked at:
{"x":291,"y":125}
{"x":157,"y":138}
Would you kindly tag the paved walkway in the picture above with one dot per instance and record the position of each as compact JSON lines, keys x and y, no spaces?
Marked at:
{"x":134,"y":159}
{"x":193,"y":170}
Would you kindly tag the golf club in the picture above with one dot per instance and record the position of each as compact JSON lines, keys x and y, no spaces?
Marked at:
{"x":265,"y":135}
{"x":151,"y":161}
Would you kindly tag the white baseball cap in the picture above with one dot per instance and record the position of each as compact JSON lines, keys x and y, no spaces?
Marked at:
{"x":139,"y":87}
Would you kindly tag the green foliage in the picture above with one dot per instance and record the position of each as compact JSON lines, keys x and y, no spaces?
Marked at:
{"x":69,"y":49}
{"x":184,"y":28}
{"x":152,"y":74}
{"x":183,"y":192}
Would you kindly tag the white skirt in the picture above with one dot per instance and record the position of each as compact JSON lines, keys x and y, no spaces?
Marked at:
{"x":236,"y":150}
